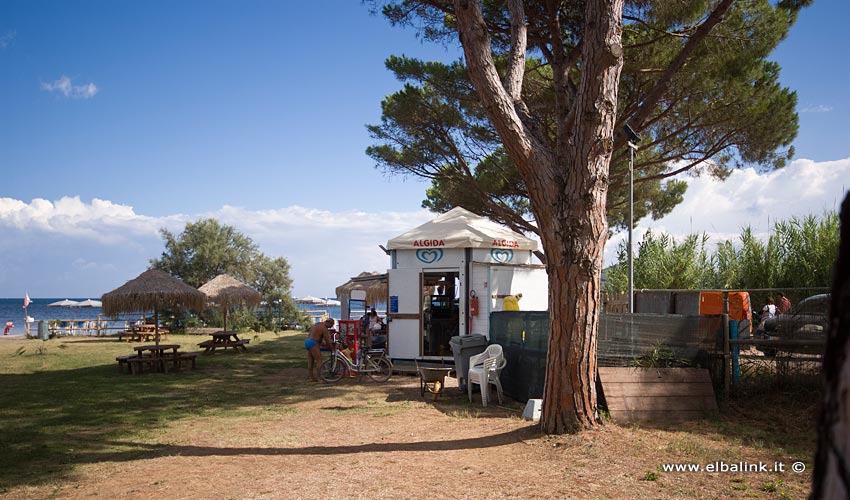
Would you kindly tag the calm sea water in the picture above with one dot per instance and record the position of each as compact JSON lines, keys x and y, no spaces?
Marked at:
{"x":13,"y":310}
{"x":333,"y":311}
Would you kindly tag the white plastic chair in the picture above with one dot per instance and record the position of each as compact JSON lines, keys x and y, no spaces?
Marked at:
{"x":484,"y":369}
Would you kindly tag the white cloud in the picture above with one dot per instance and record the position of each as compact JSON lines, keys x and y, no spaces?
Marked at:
{"x":722,"y":208}
{"x":101,"y":220}
{"x":64,"y":86}
{"x":820,"y":108}
{"x":76,"y":248}
{"x":323,"y":248}
{"x":7,"y":38}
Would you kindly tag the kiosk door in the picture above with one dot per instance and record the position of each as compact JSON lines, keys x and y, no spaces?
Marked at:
{"x":404,"y":312}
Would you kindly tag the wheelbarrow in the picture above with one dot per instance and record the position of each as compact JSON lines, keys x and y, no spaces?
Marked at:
{"x":432,"y":379}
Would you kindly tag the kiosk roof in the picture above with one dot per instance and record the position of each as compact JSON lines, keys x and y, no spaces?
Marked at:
{"x":460,"y":228}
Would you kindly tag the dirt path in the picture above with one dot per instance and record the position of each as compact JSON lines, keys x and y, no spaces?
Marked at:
{"x":385,"y":441}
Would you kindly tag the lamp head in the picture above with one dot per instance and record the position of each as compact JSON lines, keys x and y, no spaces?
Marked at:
{"x":634,"y":138}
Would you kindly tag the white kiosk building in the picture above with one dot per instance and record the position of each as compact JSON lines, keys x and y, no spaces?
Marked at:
{"x":447,"y":276}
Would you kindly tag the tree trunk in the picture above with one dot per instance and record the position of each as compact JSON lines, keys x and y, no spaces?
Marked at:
{"x":831,"y":476}
{"x":568,"y":188}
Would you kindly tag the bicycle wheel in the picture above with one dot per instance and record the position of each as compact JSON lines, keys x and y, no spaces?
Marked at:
{"x":332,"y":370}
{"x":380,"y":370}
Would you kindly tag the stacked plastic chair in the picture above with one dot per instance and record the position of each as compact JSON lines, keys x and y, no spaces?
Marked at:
{"x":484,"y":369}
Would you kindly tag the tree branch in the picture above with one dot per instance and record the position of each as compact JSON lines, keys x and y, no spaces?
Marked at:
{"x":516,"y":58}
{"x":498,"y":104}
{"x":663,"y":83}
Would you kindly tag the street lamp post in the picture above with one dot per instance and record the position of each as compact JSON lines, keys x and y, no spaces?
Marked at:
{"x":633,"y":141}
{"x":277,"y":303}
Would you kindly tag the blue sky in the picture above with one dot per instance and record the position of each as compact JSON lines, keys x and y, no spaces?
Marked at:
{"x":119,"y":118}
{"x":249,"y":103}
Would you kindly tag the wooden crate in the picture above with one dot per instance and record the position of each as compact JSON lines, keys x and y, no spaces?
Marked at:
{"x":657,"y":394}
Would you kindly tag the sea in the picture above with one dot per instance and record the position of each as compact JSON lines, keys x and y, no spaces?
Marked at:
{"x":12,"y":310}
{"x":335,"y":312}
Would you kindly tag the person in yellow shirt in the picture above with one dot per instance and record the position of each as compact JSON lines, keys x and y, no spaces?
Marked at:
{"x":511,"y":302}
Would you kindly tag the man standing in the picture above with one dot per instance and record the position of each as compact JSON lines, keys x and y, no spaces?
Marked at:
{"x":317,"y":332}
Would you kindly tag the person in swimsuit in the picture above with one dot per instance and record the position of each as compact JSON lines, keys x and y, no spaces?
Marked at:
{"x":317,"y":332}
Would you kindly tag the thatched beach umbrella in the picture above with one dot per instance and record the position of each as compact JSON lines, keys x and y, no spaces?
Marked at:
{"x":153,"y":289}
{"x":227,"y":291}
{"x":374,"y":284}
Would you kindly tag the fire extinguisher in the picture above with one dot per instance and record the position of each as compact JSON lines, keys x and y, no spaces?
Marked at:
{"x":473,"y":303}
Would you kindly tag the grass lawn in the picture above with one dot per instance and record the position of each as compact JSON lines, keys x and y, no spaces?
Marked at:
{"x":249,"y":425}
{"x":65,"y":403}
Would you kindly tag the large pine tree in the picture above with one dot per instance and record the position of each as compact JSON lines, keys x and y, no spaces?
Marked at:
{"x":548,"y":76}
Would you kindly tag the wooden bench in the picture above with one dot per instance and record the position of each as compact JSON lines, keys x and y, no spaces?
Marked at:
{"x":205,"y":343}
{"x":136,"y":363}
{"x":124,"y":360}
{"x":188,"y":357}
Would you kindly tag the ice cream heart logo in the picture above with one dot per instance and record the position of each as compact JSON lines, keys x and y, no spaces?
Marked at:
{"x":502,"y":256}
{"x":429,"y":256}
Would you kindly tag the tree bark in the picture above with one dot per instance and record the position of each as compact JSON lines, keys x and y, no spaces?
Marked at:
{"x":574,"y":239}
{"x":831,"y":476}
{"x":568,"y":190}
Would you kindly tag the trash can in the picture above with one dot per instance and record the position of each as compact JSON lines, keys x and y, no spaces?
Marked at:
{"x":463,"y":348}
{"x":43,"y":330}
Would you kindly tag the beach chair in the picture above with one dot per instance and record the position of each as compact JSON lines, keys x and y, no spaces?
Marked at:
{"x":64,"y":328}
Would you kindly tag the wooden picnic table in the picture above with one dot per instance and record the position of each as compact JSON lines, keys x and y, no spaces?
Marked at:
{"x":142,"y":333}
{"x":158,"y":357}
{"x":223,"y":340}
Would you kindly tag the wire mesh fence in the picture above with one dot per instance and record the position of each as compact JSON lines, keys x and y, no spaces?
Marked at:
{"x":662,"y":340}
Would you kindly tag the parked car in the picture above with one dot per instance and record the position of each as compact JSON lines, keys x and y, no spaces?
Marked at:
{"x":806,"y":321}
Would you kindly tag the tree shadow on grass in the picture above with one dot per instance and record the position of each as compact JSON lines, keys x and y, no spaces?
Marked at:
{"x":51,"y":420}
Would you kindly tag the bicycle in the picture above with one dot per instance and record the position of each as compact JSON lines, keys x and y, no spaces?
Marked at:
{"x":373,"y":363}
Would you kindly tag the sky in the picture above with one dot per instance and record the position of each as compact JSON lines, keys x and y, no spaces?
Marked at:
{"x":121,"y":118}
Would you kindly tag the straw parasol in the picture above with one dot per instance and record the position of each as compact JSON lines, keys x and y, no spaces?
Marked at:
{"x":374,"y":283}
{"x":153,"y":289}
{"x":227,"y":291}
